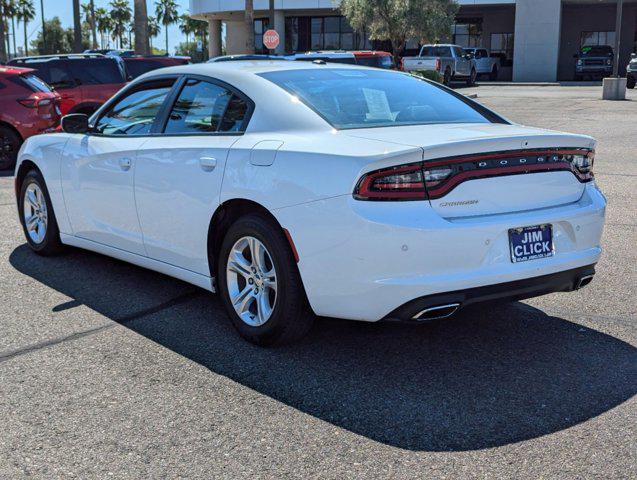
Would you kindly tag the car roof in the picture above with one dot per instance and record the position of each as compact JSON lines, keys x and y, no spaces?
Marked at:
{"x":323,"y":53}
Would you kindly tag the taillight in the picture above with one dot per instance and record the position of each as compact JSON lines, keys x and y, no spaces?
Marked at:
{"x":405,"y":182}
{"x":433,"y":179}
{"x":438,"y":65}
{"x":34,"y":102}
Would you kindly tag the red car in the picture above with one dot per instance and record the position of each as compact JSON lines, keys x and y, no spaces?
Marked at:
{"x":137,"y":65}
{"x":28,"y":106}
{"x":84,"y":81}
{"x":375,"y":58}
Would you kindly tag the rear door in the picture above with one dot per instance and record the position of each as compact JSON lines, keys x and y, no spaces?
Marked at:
{"x":179,"y":172}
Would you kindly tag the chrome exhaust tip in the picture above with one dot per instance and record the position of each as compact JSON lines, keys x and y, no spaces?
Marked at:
{"x":437,"y":312}
{"x":583,"y":281}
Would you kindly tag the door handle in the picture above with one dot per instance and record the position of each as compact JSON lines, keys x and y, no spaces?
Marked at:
{"x":125,"y":163}
{"x":207,"y":164}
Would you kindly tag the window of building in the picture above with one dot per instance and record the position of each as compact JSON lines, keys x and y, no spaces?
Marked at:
{"x":502,"y":46}
{"x":468,"y":32}
{"x":260,"y":27}
{"x":593,"y":39}
{"x":322,"y":33}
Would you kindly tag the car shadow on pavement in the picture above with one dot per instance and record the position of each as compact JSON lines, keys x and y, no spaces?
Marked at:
{"x":485,"y":378}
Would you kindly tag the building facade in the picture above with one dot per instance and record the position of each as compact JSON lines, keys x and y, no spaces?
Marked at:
{"x":535,"y":39}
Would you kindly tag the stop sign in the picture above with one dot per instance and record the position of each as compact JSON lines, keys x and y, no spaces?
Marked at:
{"x":271,"y":39}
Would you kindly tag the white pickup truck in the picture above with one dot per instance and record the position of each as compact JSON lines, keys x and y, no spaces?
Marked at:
{"x":449,"y":60}
{"x":485,"y":63}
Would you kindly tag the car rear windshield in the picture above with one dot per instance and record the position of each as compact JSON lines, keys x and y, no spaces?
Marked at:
{"x":135,"y":67}
{"x":435,"y":52}
{"x":378,"y":61}
{"x":34,"y":83}
{"x":96,"y":71}
{"x":360,"y":98}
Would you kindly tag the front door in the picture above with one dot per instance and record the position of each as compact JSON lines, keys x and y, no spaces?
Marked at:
{"x":179,"y":173}
{"x":98,"y":170}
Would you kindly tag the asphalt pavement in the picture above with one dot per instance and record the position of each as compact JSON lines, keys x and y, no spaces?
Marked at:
{"x":111,"y":371}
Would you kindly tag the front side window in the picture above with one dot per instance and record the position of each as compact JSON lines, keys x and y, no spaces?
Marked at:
{"x":135,"y":113}
{"x":204,"y":107}
{"x":373,"y":98}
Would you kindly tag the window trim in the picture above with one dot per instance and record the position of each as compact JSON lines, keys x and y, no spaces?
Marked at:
{"x":162,"y":116}
{"x":125,"y":92}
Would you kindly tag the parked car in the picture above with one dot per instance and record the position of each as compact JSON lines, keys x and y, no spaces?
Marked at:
{"x":374,"y":58}
{"x":371,"y":195}
{"x":594,"y":62}
{"x":84,"y":81}
{"x":450,"y":60}
{"x":331,"y":56}
{"x":28,"y":106}
{"x":138,"y":64}
{"x":485,"y":64}
{"x":631,"y":71}
{"x":245,"y":56}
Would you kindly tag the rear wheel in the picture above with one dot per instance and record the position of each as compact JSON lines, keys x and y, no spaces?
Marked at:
{"x":471,"y":81}
{"x":630,"y":82}
{"x":260,"y":284}
{"x":446,"y":78}
{"x":37,"y":216}
{"x":10,"y":143}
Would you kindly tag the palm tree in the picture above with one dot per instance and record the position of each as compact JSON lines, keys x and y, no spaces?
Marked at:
{"x":121,"y":15}
{"x":186,"y":26}
{"x":249,"y":21}
{"x":141,"y":28}
{"x":166,"y":11}
{"x":153,"y":31}
{"x":25,"y":13}
{"x":103,"y":23}
{"x":77,"y":27}
{"x":3,"y":47}
{"x":10,"y":12}
{"x":88,"y":10}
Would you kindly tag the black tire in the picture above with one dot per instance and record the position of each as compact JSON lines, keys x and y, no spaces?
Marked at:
{"x":446,"y":78}
{"x":10,"y":143}
{"x":630,"y":82}
{"x":493,"y":76}
{"x":578,"y":78}
{"x":50,"y":244}
{"x":471,"y":81}
{"x":291,"y":317}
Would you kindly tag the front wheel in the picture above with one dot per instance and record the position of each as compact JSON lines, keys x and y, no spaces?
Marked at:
{"x":493,"y":76}
{"x":446,"y":78}
{"x":260,"y":285}
{"x":37,"y":216}
{"x":630,"y":82}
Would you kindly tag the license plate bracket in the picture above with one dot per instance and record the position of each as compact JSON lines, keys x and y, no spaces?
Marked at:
{"x":531,"y":243}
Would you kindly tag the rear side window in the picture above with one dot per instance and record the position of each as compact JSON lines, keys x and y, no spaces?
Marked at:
{"x":135,"y":68}
{"x":135,"y":113}
{"x":34,"y":83}
{"x":204,"y":107}
{"x":59,"y":76}
{"x":96,"y":71}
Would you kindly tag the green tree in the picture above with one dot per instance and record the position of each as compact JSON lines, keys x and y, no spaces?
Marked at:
{"x":3,"y":46}
{"x":104,"y":24}
{"x":88,"y":11}
{"x":121,"y":15}
{"x":153,"y":30}
{"x":400,"y":20}
{"x":186,"y":26}
{"x":10,"y":12}
{"x":56,"y":39}
{"x":166,"y":12}
{"x":25,"y":13}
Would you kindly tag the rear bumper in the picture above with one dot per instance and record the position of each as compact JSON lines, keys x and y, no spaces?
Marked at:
{"x":565,"y":281}
{"x":363,"y":260}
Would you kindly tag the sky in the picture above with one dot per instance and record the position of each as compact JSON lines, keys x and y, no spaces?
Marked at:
{"x":64,"y":10}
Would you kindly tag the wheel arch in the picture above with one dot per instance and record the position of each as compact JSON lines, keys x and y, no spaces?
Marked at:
{"x":7,"y":125}
{"x":225,"y":215}
{"x":25,"y":167}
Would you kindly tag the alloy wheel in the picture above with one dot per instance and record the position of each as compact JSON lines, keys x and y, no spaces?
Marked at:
{"x":251,"y":280}
{"x":35,"y":213}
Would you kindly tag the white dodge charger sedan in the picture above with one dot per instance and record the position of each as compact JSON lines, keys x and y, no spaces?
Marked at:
{"x":287,"y":187}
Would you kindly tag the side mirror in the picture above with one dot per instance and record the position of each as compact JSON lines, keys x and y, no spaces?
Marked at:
{"x":75,"y":123}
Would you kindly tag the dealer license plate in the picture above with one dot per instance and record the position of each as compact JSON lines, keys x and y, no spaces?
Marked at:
{"x":531,"y":243}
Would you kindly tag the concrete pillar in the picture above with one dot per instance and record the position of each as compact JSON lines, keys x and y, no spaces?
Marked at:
{"x":279,"y":26}
{"x":214,"y":40}
{"x":537,"y":40}
{"x":236,"y":36}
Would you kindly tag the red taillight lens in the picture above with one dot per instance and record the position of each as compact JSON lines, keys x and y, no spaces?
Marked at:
{"x":399,"y":183}
{"x":438,"y":65}
{"x":433,"y":179}
{"x":33,"y":102}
